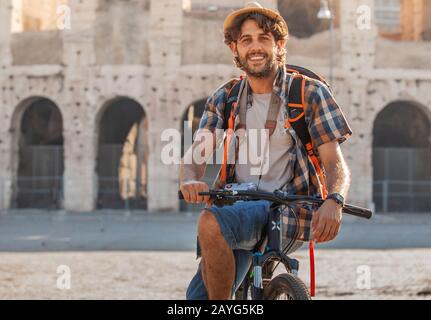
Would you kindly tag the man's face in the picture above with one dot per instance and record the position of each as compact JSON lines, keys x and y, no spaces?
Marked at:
{"x":256,"y":50}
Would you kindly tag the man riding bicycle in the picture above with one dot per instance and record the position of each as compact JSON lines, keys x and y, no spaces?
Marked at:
{"x":227,"y":235}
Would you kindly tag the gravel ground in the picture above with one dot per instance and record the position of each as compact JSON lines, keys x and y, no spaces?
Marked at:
{"x":394,"y":274}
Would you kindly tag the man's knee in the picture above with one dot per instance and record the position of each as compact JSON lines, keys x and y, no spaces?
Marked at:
{"x":208,"y":226}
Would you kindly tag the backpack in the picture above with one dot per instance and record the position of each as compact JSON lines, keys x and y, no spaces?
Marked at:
{"x":296,"y":114}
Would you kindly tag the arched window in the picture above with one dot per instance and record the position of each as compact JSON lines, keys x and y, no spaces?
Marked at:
{"x":388,"y":16}
{"x":122,"y":156}
{"x":401,"y":158}
{"x":41,"y":163}
{"x":302,"y":16}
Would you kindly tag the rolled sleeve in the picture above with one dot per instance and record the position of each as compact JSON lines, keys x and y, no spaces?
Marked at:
{"x":326,"y":120}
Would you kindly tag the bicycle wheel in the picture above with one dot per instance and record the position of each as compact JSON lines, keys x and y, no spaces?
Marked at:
{"x":286,"y":286}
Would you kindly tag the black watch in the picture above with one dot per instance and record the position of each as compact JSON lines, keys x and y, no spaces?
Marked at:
{"x":338,"y":198}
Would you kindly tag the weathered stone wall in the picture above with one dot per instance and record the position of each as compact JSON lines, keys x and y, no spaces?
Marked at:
{"x":122,"y":31}
{"x":30,"y":48}
{"x":409,"y":54}
{"x":205,"y":31}
{"x":204,"y":4}
{"x":426,"y":33}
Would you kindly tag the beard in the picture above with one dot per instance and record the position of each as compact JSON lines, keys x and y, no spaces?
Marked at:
{"x":257,"y":72}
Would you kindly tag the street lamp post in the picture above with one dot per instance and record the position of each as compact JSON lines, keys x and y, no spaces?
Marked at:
{"x":326,"y":13}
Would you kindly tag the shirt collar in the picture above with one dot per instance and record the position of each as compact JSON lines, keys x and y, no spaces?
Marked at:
{"x":278,"y":86}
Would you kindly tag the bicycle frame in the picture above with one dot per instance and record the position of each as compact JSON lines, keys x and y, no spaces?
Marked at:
{"x":272,"y":250}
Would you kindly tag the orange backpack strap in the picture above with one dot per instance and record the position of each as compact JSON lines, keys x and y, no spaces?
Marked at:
{"x":231,"y":101}
{"x":229,"y":120}
{"x":296,"y":112}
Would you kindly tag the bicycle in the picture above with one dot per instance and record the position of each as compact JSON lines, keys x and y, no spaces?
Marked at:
{"x":258,"y":283}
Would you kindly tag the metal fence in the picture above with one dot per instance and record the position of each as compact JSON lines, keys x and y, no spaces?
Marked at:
{"x":41,"y":161}
{"x":121,"y":194}
{"x":388,"y":15}
{"x":402,"y":179}
{"x":402,"y":196}
{"x":402,"y":182}
{"x":48,"y":193}
{"x":37,"y":192}
{"x":40,"y":182}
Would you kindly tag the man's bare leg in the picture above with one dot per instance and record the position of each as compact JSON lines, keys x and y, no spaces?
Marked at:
{"x":218,"y":263}
{"x":204,"y":276}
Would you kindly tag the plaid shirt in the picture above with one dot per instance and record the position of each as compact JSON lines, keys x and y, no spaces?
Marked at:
{"x":326,"y":122}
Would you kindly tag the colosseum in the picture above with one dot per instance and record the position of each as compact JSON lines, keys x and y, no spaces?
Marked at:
{"x":88,"y":87}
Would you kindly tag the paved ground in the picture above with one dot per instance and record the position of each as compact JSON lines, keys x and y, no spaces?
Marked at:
{"x":110,"y":230}
{"x":394,"y":274}
{"x":113,"y":255}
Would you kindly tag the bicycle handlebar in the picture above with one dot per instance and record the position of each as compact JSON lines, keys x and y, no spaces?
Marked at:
{"x":279,"y":197}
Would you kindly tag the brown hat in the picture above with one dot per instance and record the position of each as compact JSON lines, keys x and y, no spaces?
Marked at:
{"x":252,"y":7}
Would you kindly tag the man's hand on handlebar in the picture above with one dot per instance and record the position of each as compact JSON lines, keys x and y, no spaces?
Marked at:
{"x":191,"y":189}
{"x":330,"y":212}
{"x":326,"y":222}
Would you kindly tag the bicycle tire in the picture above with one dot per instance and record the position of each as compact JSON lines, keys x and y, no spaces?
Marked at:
{"x":288,"y":284}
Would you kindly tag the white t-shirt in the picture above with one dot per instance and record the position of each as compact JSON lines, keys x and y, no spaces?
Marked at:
{"x":277,"y":167}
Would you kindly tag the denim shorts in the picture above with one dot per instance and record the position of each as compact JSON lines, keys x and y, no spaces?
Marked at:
{"x":242,"y":225}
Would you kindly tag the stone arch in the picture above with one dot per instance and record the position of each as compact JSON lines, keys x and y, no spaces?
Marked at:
{"x":197,"y":105}
{"x":302,"y":19}
{"x":37,"y":160}
{"x":401,"y":157}
{"x":190,"y":119}
{"x":106,"y":101}
{"x":382,"y":93}
{"x":122,"y":154}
